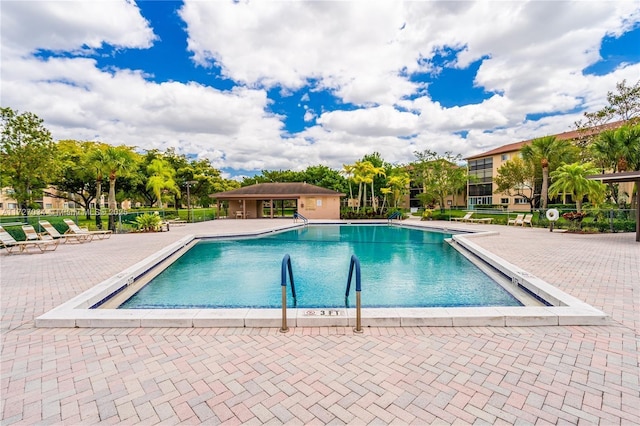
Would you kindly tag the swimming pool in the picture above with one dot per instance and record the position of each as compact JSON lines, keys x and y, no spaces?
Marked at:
{"x":96,"y":306}
{"x":401,"y":267}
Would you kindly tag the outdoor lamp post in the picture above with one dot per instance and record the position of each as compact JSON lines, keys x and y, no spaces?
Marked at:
{"x":189,"y":183}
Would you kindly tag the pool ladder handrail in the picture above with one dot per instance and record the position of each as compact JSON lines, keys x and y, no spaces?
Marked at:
{"x":297,"y":216}
{"x":394,"y":215}
{"x":355,"y":264}
{"x":286,"y":266}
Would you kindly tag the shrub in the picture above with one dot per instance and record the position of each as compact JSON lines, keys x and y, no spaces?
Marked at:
{"x":148,"y":222}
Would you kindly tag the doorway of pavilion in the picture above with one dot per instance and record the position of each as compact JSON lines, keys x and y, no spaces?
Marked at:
{"x":279,"y":208}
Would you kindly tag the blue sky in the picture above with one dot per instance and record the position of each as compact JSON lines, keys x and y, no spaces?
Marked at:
{"x":284,"y":85}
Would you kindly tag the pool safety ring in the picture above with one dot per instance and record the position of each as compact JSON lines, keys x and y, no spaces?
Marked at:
{"x":552,"y":215}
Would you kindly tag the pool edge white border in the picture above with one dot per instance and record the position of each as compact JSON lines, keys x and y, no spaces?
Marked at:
{"x":567,"y":310}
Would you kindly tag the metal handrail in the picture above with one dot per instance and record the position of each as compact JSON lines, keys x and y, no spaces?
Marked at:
{"x":394,"y":215}
{"x":299,"y":216}
{"x":286,"y":265}
{"x":355,"y":264}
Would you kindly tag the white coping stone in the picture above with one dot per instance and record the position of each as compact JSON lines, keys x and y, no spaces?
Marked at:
{"x":568,"y":309}
{"x":221,"y":318}
{"x":578,"y":316}
{"x":270,"y":318}
{"x":528,"y":316}
{"x":425,"y":317}
{"x":477,"y":317}
{"x":375,"y":317}
{"x":168,"y":318}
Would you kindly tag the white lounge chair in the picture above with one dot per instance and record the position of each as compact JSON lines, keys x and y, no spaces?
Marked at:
{"x":465,"y":218}
{"x":31,"y":235}
{"x":76,"y":230}
{"x":517,"y":221}
{"x":527,"y":220}
{"x":55,"y":235}
{"x":10,"y":244}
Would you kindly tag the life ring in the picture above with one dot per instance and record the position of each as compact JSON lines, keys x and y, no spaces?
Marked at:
{"x":552,"y":215}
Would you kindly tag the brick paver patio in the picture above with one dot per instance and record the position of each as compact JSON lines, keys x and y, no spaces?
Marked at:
{"x":452,"y":375}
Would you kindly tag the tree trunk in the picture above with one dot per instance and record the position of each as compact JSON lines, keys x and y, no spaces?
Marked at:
{"x":98,"y":206}
{"x":24,"y":207}
{"x":544,"y":192}
{"x":112,"y":203}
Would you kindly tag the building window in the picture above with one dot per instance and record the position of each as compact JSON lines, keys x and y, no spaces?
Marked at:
{"x":504,"y":157}
{"x":473,"y":201}
{"x":520,"y":201}
{"x":504,"y":201}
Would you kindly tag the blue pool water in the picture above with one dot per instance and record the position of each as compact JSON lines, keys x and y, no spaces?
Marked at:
{"x":401,"y":267}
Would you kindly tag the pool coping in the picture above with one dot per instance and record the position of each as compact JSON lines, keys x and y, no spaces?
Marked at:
{"x":566,"y":310}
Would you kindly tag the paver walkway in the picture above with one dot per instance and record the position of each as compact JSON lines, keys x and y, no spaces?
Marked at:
{"x":522,"y":375}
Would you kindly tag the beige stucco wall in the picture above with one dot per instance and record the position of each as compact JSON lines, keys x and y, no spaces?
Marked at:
{"x":319,"y":207}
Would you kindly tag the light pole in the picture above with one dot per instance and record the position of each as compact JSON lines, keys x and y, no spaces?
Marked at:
{"x":189,"y":183}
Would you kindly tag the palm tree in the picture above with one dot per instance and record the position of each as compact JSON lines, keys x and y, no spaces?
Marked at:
{"x":572,"y":179}
{"x":374,"y":171}
{"x":161,"y":178}
{"x":399,"y":184}
{"x":629,"y":140}
{"x":347,"y":171}
{"x":547,"y":152}
{"x":119,"y":161}
{"x":361,"y":176}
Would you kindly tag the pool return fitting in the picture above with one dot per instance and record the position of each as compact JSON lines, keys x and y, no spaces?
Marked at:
{"x":286,"y":267}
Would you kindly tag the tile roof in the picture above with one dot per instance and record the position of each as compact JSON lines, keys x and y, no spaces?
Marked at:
{"x":277,"y":190}
{"x":570,"y":135}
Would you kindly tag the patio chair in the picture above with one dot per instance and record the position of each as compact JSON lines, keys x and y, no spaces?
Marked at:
{"x":527,"y":220}
{"x":54,"y":234}
{"x":465,"y":218}
{"x":10,"y":244}
{"x":76,"y":230}
{"x":31,"y":235}
{"x":517,"y":221}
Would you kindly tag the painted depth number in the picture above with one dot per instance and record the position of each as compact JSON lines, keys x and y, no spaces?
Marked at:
{"x":324,"y":313}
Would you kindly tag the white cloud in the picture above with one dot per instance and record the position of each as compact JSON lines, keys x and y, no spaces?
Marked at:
{"x":72,"y":25}
{"x":532,"y":56}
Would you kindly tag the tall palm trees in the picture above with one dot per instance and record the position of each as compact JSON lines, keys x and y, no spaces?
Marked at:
{"x":547,"y":153}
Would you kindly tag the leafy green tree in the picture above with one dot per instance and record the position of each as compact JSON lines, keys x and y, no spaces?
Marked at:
{"x":546,"y":154}
{"x":516,"y":177}
{"x":27,"y":156}
{"x":623,"y":105}
{"x":161,"y":178}
{"x":572,"y":179}
{"x":324,"y":177}
{"x":76,"y":181}
{"x":267,"y":176}
{"x":439,"y":176}
{"x":119,"y":161}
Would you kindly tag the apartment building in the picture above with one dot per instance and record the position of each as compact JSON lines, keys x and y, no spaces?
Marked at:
{"x":481,"y":190}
